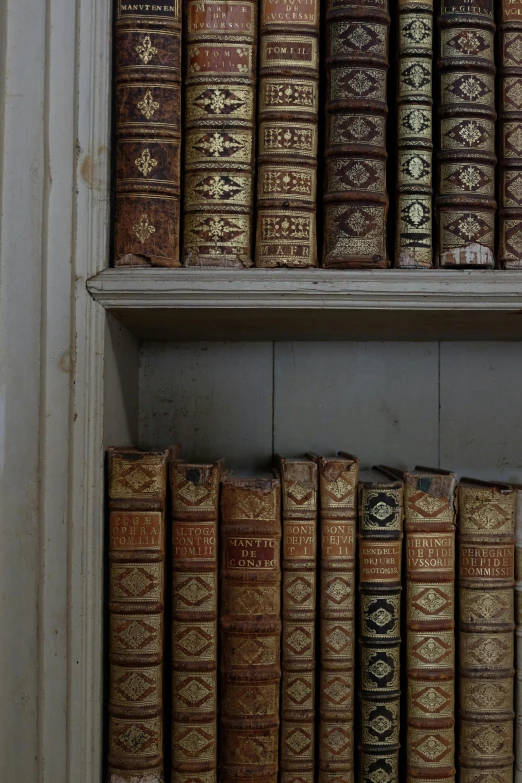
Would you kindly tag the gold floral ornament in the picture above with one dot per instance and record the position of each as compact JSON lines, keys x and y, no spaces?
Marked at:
{"x":143,"y":229}
{"x":148,"y":105}
{"x":146,"y":163}
{"x":146,"y":50}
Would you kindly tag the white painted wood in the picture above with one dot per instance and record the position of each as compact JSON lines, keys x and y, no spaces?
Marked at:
{"x":120,"y":386}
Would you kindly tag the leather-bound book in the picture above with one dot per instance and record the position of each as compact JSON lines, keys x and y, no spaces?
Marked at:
{"x":299,"y":493}
{"x":465,"y":203}
{"x":220,"y":91}
{"x":518,"y":639}
{"x":510,"y":132}
{"x":287,"y":143}
{"x":355,"y":197}
{"x":414,"y":240}
{"x":147,"y":47}
{"x":486,"y":620}
{"x":250,"y":623}
{"x":195,"y":510}
{"x":137,"y":492}
{"x":381,"y":514}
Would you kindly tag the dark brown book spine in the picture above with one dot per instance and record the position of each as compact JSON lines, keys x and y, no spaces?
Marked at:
{"x":288,"y":120}
{"x":465,"y":203}
{"x":299,"y":491}
{"x":510,"y":121}
{"x":487,"y":623}
{"x":195,"y":508}
{"x":220,"y":91}
{"x":137,"y":491}
{"x":250,"y":623}
{"x":380,"y":551}
{"x":355,"y":197}
{"x":338,"y":495}
{"x":148,"y":133}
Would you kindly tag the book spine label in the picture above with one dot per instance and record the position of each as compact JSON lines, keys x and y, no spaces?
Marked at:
{"x":195,"y":504}
{"x":518,"y":639}
{"x":137,"y":490}
{"x":510,"y":121}
{"x":414,"y":244}
{"x":287,"y":148}
{"x":356,"y":201}
{"x":430,"y":635}
{"x":221,"y":57}
{"x":338,"y":495}
{"x":380,"y":550}
{"x":465,"y":202}
{"x":487,"y":570}
{"x":299,"y":491}
{"x":148,"y":134}
{"x":250,"y":625}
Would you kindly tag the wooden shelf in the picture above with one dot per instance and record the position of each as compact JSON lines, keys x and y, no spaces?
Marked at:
{"x":256,"y":304}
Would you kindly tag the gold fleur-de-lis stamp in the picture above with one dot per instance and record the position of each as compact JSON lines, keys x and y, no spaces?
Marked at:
{"x":148,"y":105}
{"x":146,"y":50}
{"x":145,"y":163}
{"x":143,"y":229}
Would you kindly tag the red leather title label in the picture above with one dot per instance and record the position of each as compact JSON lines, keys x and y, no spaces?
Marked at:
{"x":221,"y":17}
{"x":294,"y":12}
{"x":299,"y":540}
{"x":140,"y":530}
{"x":275,"y":51}
{"x":487,"y":561}
{"x":252,"y":554}
{"x":511,"y":9}
{"x":171,"y":9}
{"x":477,"y":7}
{"x":194,"y":542}
{"x":337,"y":540}
{"x":431,"y":552}
{"x":380,"y":562}
{"x":220,"y":59}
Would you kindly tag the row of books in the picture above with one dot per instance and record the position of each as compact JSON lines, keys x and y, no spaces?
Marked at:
{"x":278,"y":93}
{"x":279,"y":687}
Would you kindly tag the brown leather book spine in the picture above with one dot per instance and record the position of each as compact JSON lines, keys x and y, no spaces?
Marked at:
{"x":465,"y":203}
{"x":518,"y":636}
{"x":148,"y":133}
{"x":487,"y":623}
{"x":414,"y":243}
{"x":287,"y":146}
{"x":380,"y":552}
{"x":220,"y":91}
{"x":299,"y":491}
{"x":338,"y":495}
{"x":250,"y":625}
{"x":355,"y":197}
{"x":137,"y":490}
{"x":195,"y":508}
{"x":430,"y":618}
{"x":510,"y":131}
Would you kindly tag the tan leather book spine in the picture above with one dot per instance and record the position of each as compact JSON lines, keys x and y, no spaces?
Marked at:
{"x":195,"y":509}
{"x":338,"y":496}
{"x":355,"y":196}
{"x":147,"y":42}
{"x":299,"y":492}
{"x":288,"y":124}
{"x":518,"y":637}
{"x":137,"y":491}
{"x":486,"y":619}
{"x":220,"y":93}
{"x":465,"y":201}
{"x":381,"y":512}
{"x":510,"y":131}
{"x":250,"y":627}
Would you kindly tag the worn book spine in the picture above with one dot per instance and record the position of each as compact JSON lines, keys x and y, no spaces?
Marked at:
{"x":220,"y":91}
{"x":414,"y":229}
{"x":338,"y":495}
{"x":487,"y":555}
{"x":510,"y":132}
{"x":287,"y":146}
{"x":465,"y":202}
{"x":147,"y":47}
{"x":299,"y":493}
{"x":355,"y":197}
{"x":380,"y":552}
{"x":137,"y":491}
{"x":250,"y":623}
{"x":195,"y":508}
{"x":430,"y":623}
{"x":518,"y":636}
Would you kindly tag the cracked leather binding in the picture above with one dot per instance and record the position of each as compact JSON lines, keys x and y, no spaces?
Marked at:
{"x":287,"y":145}
{"x":380,"y":549}
{"x":221,"y":55}
{"x":137,"y":491}
{"x":355,"y":197}
{"x":250,"y":623}
{"x":510,"y":122}
{"x":195,"y":509}
{"x":486,"y":620}
{"x":148,"y":133}
{"x":299,"y":493}
{"x":465,"y":203}
{"x":414,"y":229}
{"x":518,"y":637}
